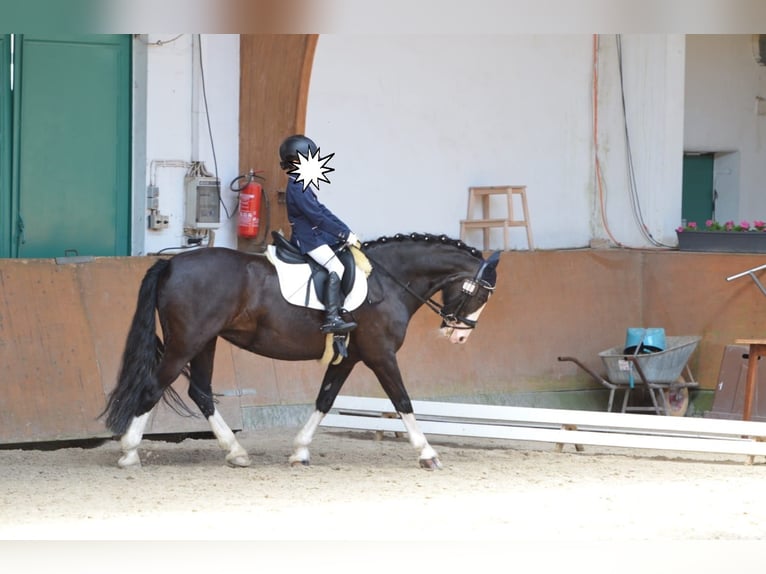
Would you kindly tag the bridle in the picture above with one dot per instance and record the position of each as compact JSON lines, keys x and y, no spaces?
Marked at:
{"x":471,"y":287}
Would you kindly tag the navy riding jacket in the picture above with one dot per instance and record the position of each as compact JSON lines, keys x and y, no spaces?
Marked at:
{"x":312,"y":223}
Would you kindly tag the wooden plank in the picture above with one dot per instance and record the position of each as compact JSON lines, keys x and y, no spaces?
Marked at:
{"x":559,"y":436}
{"x":559,"y":426}
{"x":480,"y":223}
{"x":485,"y":222}
{"x":509,"y":414}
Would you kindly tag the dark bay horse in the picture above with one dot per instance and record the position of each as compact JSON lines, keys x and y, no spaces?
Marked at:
{"x":218,"y":292}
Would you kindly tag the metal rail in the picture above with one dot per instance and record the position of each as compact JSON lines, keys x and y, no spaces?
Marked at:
{"x":751,"y":273}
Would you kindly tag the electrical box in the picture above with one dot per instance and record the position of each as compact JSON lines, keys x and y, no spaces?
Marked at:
{"x":203,"y":203}
{"x":158,"y":220}
{"x":153,"y":197}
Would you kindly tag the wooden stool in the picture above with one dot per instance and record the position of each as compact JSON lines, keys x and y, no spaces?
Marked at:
{"x":757,"y":350}
{"x":486,"y":222}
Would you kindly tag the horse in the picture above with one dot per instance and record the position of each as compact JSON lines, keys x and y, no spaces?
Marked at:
{"x":215,"y":292}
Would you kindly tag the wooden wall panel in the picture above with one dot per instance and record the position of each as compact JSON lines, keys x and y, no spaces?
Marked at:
{"x":62,"y":333}
{"x":63,"y":327}
{"x":50,"y":379}
{"x":688,"y":294}
{"x":274,"y":83}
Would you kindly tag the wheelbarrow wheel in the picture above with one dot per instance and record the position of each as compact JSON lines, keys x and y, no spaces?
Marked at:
{"x":677,"y":401}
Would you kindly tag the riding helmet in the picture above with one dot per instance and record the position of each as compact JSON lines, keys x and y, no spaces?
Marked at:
{"x":288,"y":151}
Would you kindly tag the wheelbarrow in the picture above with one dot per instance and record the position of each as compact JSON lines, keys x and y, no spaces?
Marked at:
{"x":665,"y":375}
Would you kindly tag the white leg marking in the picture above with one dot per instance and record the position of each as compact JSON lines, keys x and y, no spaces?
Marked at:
{"x":418,"y":439}
{"x":237,"y":456}
{"x":303,"y":439}
{"x":130,"y":441}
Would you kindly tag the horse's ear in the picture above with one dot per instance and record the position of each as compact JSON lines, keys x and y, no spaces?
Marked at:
{"x":493,"y":260}
{"x":489,"y":274}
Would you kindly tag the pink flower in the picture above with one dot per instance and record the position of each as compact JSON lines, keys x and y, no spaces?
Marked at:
{"x":745,"y":225}
{"x":759,"y":225}
{"x":729,"y":225}
{"x":709,"y":223}
{"x":692,"y":225}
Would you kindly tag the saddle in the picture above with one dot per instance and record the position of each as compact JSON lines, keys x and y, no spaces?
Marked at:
{"x":303,"y":281}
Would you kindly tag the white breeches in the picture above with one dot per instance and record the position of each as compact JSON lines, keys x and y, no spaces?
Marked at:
{"x":325,"y":256}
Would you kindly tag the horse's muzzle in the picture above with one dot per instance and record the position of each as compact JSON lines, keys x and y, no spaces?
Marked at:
{"x":457,"y":333}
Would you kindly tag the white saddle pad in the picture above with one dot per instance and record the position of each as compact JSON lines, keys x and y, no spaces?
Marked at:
{"x":295,"y":280}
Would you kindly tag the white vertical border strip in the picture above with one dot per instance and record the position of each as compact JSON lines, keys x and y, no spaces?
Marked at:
{"x":138,"y":82}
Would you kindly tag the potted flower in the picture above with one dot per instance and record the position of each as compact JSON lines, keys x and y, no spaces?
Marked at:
{"x":728,"y":237}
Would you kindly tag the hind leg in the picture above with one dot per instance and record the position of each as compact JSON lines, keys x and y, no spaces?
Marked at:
{"x":200,"y":391}
{"x":130,"y":440}
{"x":168,"y":371}
{"x":333,"y":380}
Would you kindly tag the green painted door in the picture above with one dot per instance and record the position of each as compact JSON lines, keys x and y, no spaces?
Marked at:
{"x":698,"y":202}
{"x":71,"y":126}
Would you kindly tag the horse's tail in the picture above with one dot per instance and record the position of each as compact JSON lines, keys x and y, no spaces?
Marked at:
{"x":137,"y":382}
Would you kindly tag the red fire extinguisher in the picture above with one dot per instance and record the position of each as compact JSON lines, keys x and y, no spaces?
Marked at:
{"x":249,"y":203}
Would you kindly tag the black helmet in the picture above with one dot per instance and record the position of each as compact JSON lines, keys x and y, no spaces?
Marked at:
{"x":288,"y":151}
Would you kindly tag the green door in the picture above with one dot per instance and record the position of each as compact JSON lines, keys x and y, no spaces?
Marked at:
{"x":71,"y":126}
{"x":698,"y":202}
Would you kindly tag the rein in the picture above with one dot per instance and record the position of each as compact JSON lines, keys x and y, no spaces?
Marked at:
{"x":470,"y":288}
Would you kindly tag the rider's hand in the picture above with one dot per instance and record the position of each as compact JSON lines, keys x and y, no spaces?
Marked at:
{"x":352,"y":239}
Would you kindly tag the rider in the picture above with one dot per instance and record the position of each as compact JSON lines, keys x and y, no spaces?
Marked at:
{"x":316,"y":230}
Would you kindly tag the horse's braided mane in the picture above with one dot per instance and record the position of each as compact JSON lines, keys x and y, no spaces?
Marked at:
{"x":425,"y":238}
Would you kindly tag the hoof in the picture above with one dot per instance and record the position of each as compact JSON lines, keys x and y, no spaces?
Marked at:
{"x":300,"y":463}
{"x":129,"y":460}
{"x":430,"y":463}
{"x":239,"y":461}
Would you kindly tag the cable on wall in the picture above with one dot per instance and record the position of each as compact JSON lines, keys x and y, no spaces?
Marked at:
{"x":158,"y":43}
{"x":597,"y":163}
{"x":632,"y":187}
{"x":207,"y":117}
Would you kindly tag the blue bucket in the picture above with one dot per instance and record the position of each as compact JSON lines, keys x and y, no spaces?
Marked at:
{"x":639,"y":340}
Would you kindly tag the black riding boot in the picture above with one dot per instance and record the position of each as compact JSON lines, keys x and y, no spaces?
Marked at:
{"x":333,"y":322}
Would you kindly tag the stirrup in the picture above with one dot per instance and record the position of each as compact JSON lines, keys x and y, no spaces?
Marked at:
{"x":337,"y":326}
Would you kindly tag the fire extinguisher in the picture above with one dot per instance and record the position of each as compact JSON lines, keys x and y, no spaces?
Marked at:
{"x":250,"y":195}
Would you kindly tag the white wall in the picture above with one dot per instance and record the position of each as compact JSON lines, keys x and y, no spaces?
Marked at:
{"x":722,"y":83}
{"x":176,"y":125}
{"x":415,"y":120}
{"x":653,"y":80}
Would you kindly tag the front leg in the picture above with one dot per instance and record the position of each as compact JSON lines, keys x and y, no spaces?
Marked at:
{"x":332,"y":382}
{"x":428,"y":458}
{"x":390,"y":378}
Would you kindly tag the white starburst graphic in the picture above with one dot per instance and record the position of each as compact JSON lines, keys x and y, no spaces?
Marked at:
{"x":311,"y":169}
